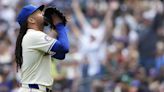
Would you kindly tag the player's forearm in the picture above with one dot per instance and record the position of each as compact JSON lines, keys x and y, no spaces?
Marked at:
{"x":62,"y":43}
{"x":62,"y":36}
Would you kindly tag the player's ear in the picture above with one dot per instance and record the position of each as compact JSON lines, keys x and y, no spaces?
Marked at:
{"x":31,"y":20}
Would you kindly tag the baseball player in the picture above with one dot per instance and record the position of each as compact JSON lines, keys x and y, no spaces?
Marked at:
{"x":34,"y":48}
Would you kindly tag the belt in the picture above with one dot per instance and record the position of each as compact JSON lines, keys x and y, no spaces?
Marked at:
{"x":36,"y":86}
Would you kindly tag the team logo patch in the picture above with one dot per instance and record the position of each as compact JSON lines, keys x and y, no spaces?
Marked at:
{"x":47,"y":38}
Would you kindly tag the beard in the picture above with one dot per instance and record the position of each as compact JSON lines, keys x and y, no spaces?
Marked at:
{"x":40,"y":24}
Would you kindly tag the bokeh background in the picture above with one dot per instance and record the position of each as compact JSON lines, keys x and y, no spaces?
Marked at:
{"x":115,"y":45}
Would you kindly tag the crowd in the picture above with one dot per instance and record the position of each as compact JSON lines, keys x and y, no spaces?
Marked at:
{"x":116,"y":45}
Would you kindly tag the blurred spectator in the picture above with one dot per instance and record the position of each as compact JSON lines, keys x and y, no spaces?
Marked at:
{"x":160,"y":55}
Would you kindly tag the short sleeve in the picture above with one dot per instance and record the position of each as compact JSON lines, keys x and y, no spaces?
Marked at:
{"x":42,"y":42}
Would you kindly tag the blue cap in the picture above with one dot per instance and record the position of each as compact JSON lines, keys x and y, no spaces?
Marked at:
{"x":26,"y":12}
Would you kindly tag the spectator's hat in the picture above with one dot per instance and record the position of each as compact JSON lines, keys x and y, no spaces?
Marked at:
{"x":26,"y":12}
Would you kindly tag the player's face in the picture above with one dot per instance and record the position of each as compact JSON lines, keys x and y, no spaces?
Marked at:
{"x":38,"y":18}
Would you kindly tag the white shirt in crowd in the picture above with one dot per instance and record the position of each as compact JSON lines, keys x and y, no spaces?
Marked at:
{"x":91,"y":43}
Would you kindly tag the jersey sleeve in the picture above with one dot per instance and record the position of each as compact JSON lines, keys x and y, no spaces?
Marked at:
{"x":42,"y":42}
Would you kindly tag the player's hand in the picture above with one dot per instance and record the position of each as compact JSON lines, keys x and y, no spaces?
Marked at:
{"x":56,"y":20}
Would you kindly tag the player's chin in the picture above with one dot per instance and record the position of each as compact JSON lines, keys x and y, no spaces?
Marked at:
{"x":41,"y":23}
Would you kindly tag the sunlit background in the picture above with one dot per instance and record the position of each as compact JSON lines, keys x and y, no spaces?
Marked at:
{"x":115,"y":45}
